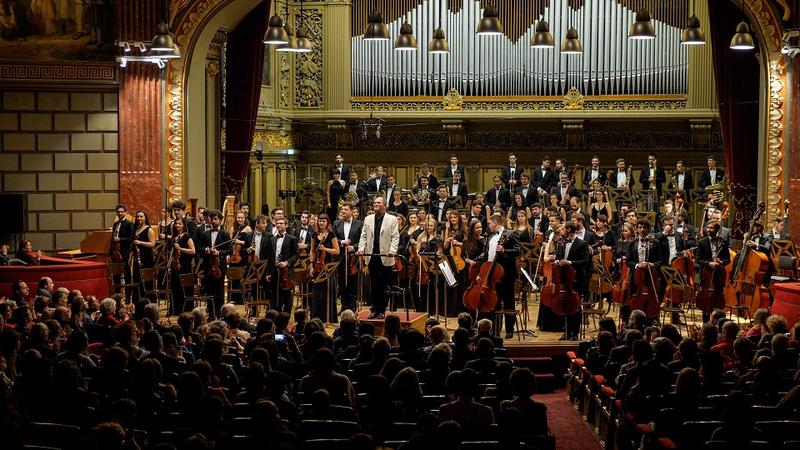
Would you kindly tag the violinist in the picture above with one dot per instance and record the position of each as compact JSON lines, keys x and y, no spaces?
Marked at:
{"x":239,"y":230}
{"x":643,"y":252}
{"x":121,"y":234}
{"x":304,"y":233}
{"x":179,"y":211}
{"x":581,"y":232}
{"x":685,"y":229}
{"x":180,"y":263}
{"x":502,"y":245}
{"x":712,"y":252}
{"x":428,"y":242}
{"x":26,"y":254}
{"x":410,"y":233}
{"x":348,"y":231}
{"x":564,"y":190}
{"x":144,"y":240}
{"x":573,"y":251}
{"x":324,"y":249}
{"x":455,"y":233}
{"x":441,"y":205}
{"x":620,"y":248}
{"x":673,"y":246}
{"x":593,"y":173}
{"x":282,"y":255}
{"x":214,"y":245}
{"x":257,"y":244}
{"x":538,"y":221}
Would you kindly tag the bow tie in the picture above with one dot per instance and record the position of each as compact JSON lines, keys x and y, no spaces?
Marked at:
{"x":570,"y":241}
{"x":280,"y":235}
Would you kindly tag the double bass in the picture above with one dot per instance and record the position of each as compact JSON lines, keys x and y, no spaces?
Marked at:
{"x":482,"y":292}
{"x":558,"y":294}
{"x":751,"y":266}
{"x":646,"y":296}
{"x":711,"y":295}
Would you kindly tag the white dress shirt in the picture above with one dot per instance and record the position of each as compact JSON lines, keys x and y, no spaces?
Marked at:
{"x":568,"y":247}
{"x":257,"y":244}
{"x":642,"y":251}
{"x":712,"y":175}
{"x":594,"y":174}
{"x":454,"y":190}
{"x":622,"y":178}
{"x":673,"y":248}
{"x":441,"y":210}
{"x":278,"y":245}
{"x":493,"y":241}
{"x":214,"y":237}
{"x":346,"y":227}
{"x":681,"y":177}
{"x":303,"y":232}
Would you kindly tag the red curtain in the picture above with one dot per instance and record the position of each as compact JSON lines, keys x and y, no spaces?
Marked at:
{"x":737,"y":79}
{"x":244,"y":63}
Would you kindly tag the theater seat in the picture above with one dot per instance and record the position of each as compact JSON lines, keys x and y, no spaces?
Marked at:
{"x":752,"y":445}
{"x":327,"y":444}
{"x":54,"y":435}
{"x":695,"y":433}
{"x":779,"y":431}
{"x":480,"y":445}
{"x":327,"y":429}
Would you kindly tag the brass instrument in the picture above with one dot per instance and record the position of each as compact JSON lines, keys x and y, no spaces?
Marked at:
{"x":422,"y":195}
{"x":350,"y":198}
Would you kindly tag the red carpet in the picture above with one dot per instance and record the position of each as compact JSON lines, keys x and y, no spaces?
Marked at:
{"x":569,"y":429}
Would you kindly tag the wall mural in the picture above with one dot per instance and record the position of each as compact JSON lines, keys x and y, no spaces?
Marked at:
{"x":57,"y":29}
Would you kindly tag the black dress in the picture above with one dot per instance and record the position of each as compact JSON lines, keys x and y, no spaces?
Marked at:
{"x":145,"y":255}
{"x":184,"y":266}
{"x":336,"y":194}
{"x":455,"y":294}
{"x":320,"y":290}
{"x":402,"y":208}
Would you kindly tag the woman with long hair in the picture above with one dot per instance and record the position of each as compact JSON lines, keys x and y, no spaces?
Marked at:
{"x":559,"y":209}
{"x":26,"y":254}
{"x":455,"y":233}
{"x":180,"y":263}
{"x":397,"y":204}
{"x":516,"y":206}
{"x":144,"y":240}
{"x":408,"y":248}
{"x":324,"y":248}
{"x":430,"y":242}
{"x":521,"y":227}
{"x":599,"y":206}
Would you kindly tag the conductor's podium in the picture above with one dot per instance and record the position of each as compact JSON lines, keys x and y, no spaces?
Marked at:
{"x":87,"y":276}
{"x":787,"y":301}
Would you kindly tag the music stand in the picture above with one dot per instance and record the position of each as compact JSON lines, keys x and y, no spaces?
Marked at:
{"x":325,"y":275}
{"x":428,"y":264}
{"x":524,"y":303}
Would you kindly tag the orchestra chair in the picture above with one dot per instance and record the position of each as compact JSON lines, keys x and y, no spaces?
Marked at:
{"x":742,"y":309}
{"x":595,"y":296}
{"x":190,"y":280}
{"x":116,"y":271}
{"x":784,"y":257}
{"x":674,"y":280}
{"x":235,"y":273}
{"x":155,"y":292}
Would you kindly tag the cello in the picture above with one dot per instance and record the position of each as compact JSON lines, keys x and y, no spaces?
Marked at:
{"x":751,"y":266}
{"x":646,"y":296}
{"x":711,"y":295}
{"x":621,"y":293}
{"x":559,"y":295}
{"x":483,"y":291}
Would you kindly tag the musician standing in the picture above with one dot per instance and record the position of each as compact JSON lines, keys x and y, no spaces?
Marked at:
{"x":282,"y":255}
{"x":564,"y":190}
{"x":581,"y":232}
{"x":498,"y":195}
{"x":179,"y":211}
{"x":642,"y":252}
{"x":358,"y":188}
{"x":560,"y":167}
{"x":712,"y":175}
{"x":121,"y":235}
{"x":713,"y":252}
{"x":378,"y":181}
{"x":379,"y":235}
{"x":511,"y":173}
{"x":244,"y":208}
{"x":336,"y":189}
{"x":543,"y":178}
{"x":687,"y":231}
{"x":275,"y":214}
{"x":344,"y":171}
{"x":502,"y":246}
{"x":324,"y":249}
{"x":425,"y":170}
{"x":391,"y":187}
{"x":258,"y":243}
{"x":180,"y":263}
{"x":652,"y":177}
{"x":455,"y":234}
{"x":538,"y":220}
{"x":453,"y":167}
{"x":457,"y":188}
{"x":348,"y":232}
{"x":476,"y":213}
{"x":423,"y":193}
{"x":441,"y":205}
{"x":144,"y":240}
{"x":574,"y":252}
{"x":682,"y":180}
{"x":214,"y":245}
{"x":621,"y":177}
{"x":592,"y":173}
{"x":303,"y":233}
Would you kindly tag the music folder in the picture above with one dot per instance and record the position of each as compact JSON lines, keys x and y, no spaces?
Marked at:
{"x":448,"y":273}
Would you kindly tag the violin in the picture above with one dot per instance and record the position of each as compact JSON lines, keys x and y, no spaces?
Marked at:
{"x":455,"y":257}
{"x":320,"y":257}
{"x":175,"y":264}
{"x":214,"y":270}
{"x":285,"y":279}
{"x":646,"y":296}
{"x":482,"y":294}
{"x":236,"y":253}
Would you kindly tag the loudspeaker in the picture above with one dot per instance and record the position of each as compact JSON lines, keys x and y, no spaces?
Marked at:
{"x":16,"y":214}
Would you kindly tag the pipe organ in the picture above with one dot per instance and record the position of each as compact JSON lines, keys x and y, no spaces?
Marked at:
{"x":506,"y":65}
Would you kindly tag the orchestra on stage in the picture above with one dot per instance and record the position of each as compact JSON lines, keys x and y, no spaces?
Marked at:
{"x":440,"y":248}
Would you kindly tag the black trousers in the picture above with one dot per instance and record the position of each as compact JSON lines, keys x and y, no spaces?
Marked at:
{"x":216,"y":289}
{"x":378,"y":280}
{"x":348,"y":288}
{"x":505,"y":293}
{"x":319,"y":302}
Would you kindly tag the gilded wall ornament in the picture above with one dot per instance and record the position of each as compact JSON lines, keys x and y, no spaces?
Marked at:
{"x":452,"y":101}
{"x":573,"y":100}
{"x":308,"y":67}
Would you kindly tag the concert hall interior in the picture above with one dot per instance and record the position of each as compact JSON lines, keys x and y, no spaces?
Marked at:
{"x":399,"y":224}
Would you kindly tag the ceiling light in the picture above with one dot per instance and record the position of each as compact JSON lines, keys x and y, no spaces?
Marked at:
{"x":439,"y":44}
{"x":643,"y":27}
{"x":542,"y":38}
{"x":406,"y":40}
{"x":742,"y":40}
{"x":571,"y":45}
{"x":692,"y":34}
{"x":376,"y":30}
{"x":490,"y":24}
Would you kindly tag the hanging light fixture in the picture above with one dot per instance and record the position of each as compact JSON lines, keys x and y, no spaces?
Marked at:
{"x":571,"y":45}
{"x":693,"y":34}
{"x":490,"y":24}
{"x":439,"y":44}
{"x":302,"y":42}
{"x":291,"y":42}
{"x":406,"y":40}
{"x":376,"y":30}
{"x":542,"y":37}
{"x":742,"y":40}
{"x":276,"y":34}
{"x":642,"y":28}
{"x":162,"y":41}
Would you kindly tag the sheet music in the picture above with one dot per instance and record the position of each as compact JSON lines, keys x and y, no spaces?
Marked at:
{"x":449,"y":277}
{"x":528,"y":277}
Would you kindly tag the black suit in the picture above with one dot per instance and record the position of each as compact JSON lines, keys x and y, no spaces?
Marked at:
{"x":287,"y":253}
{"x":506,"y":175}
{"x":613,"y":180}
{"x":433,"y":183}
{"x":345,"y":172}
{"x":688,"y":182}
{"x":124,"y":231}
{"x":361,"y":191}
{"x":532,"y":195}
{"x":660,"y":178}
{"x":373,"y":186}
{"x":691,"y":235}
{"x":706,"y":180}
{"x":663,"y":239}
{"x":448,"y":171}
{"x":505,"y":288}
{"x":480,"y":217}
{"x":348,"y":288}
{"x":309,"y":234}
{"x":580,"y":259}
{"x":435,"y":209}
{"x":263,"y":250}
{"x":570,"y":192}
{"x":654,"y":255}
{"x":587,"y":177}
{"x":460,"y":192}
{"x":504,"y":198}
{"x":544,"y":222}
{"x":214,"y":287}
{"x":588,"y":237}
{"x":544,"y":181}
{"x":389,"y":191}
